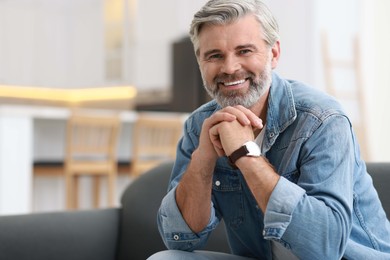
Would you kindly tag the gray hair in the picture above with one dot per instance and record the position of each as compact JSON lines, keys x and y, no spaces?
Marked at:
{"x":219,"y":12}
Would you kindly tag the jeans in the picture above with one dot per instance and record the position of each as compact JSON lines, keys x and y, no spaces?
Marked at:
{"x":278,"y":253}
{"x":196,"y":255}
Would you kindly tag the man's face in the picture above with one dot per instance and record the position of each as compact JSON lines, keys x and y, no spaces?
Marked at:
{"x":235,"y":62}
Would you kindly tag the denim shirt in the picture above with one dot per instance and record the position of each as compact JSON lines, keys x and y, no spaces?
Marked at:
{"x":324,"y":206}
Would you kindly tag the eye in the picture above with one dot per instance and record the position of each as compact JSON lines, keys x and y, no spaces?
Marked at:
{"x":215,"y":57}
{"x":244,"y":51}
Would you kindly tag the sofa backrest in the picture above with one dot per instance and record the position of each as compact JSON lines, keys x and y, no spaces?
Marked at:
{"x":380,"y":173}
{"x":139,"y":237}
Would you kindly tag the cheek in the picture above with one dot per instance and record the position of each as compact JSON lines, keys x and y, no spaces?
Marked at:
{"x":208,"y":72}
{"x":257,"y":67}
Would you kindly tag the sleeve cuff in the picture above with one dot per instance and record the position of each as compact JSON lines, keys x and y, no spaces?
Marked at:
{"x":281,"y":205}
{"x":172,"y":220}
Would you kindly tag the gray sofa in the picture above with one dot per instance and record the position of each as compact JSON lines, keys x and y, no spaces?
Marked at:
{"x":125,"y":233}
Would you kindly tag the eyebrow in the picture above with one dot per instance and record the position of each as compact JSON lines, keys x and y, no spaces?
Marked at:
{"x":246,"y":46}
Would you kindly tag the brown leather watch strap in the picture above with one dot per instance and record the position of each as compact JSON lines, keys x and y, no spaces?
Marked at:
{"x":237,"y":154}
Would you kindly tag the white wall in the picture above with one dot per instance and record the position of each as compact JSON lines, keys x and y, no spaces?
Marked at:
{"x":376,"y":53}
{"x":158,"y":25}
{"x":51,"y":43}
{"x":297,"y":26}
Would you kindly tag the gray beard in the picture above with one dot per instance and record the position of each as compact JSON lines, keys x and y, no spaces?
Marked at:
{"x":256,"y":89}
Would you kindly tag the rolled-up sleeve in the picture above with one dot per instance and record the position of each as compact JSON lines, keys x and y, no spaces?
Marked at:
{"x":282,"y":203}
{"x":174,"y":230}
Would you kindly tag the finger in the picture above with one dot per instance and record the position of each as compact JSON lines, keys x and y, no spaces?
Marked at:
{"x":217,"y":118}
{"x":214,"y":137}
{"x":254,"y":120}
{"x":222,"y":115}
{"x":239,"y":115}
{"x":216,"y":141}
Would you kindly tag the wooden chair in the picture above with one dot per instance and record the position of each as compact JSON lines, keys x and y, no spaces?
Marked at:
{"x":91,"y":150}
{"x":154,"y":141}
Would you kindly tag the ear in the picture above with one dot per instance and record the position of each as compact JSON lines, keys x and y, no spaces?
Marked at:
{"x":275,"y":50}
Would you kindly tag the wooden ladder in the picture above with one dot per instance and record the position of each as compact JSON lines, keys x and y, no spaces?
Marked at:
{"x":354,"y":94}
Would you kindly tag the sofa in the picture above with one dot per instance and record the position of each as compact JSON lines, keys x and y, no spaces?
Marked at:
{"x":128,"y":232}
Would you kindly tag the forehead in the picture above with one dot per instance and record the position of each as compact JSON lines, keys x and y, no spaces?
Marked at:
{"x":243,"y":31}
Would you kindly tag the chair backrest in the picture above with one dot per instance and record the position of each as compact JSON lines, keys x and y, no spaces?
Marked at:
{"x":91,"y":150}
{"x":92,"y":137}
{"x":155,"y":138}
{"x":380,"y":173}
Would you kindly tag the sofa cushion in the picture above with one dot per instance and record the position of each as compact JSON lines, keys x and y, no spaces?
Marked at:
{"x":76,"y":235}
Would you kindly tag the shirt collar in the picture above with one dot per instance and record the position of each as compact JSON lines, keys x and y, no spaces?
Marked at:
{"x":281,"y":110}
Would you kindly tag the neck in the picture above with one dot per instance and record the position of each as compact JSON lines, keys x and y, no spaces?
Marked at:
{"x":261,"y":107}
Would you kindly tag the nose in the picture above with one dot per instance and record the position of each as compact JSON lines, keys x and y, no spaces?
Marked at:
{"x":230,"y":64}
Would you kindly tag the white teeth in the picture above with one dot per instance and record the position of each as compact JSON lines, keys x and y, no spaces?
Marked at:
{"x":234,"y":83}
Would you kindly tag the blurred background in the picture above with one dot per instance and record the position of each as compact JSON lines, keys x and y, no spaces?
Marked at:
{"x":340,"y":47}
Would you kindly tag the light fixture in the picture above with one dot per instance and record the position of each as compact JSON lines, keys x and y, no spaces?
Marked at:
{"x":73,"y":95}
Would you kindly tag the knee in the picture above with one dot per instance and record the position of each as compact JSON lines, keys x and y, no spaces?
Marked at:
{"x":167,"y":254}
{"x":171,"y":255}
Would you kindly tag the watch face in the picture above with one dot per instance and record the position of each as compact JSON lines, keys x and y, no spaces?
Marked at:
{"x":253,"y":149}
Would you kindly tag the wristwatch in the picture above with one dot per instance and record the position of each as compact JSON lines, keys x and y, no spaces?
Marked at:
{"x":250,"y":149}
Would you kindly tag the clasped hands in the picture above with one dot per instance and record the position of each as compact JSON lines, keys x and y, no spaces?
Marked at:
{"x":229,"y":128}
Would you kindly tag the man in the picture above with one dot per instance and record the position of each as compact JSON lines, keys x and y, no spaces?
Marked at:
{"x":277,"y":160}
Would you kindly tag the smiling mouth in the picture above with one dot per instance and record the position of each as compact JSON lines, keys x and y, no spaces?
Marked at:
{"x":234,"y":83}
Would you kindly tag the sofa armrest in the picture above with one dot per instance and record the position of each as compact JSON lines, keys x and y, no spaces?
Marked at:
{"x":88,"y":234}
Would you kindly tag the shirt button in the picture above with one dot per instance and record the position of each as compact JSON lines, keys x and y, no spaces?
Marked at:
{"x":176,"y":237}
{"x":218,"y":183}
